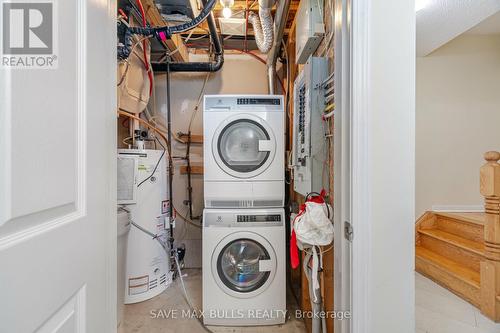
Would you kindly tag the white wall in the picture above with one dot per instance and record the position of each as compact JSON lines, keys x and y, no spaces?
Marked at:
{"x":458,"y":119}
{"x":241,"y":74}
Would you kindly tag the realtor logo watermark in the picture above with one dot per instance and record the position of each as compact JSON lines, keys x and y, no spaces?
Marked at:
{"x":29,"y":39}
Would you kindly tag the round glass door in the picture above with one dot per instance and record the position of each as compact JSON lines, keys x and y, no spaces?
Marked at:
{"x":238,"y":265}
{"x":238,"y":145}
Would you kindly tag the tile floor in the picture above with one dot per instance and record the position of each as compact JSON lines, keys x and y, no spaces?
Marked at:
{"x":437,"y":311}
{"x":440,"y":311}
{"x":138,"y":318}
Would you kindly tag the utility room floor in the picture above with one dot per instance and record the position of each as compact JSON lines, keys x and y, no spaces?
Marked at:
{"x":138,"y":318}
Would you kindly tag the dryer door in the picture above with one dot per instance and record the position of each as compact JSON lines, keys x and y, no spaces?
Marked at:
{"x":244,"y":146}
{"x":244,"y":264}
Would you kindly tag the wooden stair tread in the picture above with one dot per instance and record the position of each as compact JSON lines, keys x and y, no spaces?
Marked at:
{"x":467,"y":275}
{"x":470,"y":217}
{"x":463,"y":243}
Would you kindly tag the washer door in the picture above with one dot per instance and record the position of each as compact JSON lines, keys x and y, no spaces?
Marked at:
{"x":244,"y":146}
{"x":244,"y":264}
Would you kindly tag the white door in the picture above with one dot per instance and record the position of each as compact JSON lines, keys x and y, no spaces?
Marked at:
{"x":58,"y":168}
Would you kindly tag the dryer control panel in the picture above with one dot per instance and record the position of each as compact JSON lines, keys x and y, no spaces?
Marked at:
{"x":217,"y":103}
{"x":243,"y":218}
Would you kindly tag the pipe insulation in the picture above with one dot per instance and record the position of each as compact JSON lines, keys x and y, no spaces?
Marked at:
{"x":263,"y":26}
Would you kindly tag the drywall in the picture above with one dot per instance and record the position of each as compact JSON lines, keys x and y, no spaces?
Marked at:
{"x":458,"y":119}
{"x":241,"y":74}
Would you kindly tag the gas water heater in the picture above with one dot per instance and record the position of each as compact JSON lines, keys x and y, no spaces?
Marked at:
{"x":143,"y":191}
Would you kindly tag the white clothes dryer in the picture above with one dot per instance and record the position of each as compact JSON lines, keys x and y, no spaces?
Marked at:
{"x":244,"y":151}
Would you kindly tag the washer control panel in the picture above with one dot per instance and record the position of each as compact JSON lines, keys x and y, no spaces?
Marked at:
{"x":258,"y":218}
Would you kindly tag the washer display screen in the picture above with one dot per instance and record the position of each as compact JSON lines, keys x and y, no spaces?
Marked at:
{"x":259,"y":218}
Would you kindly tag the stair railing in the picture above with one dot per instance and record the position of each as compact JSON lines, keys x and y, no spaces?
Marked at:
{"x":490,"y":266}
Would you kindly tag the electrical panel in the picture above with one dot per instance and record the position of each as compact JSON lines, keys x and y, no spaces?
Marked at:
{"x":309,"y":29}
{"x":309,"y":149}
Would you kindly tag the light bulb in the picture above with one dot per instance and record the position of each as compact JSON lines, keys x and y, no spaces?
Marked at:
{"x":226,"y":12}
{"x":226,"y":3}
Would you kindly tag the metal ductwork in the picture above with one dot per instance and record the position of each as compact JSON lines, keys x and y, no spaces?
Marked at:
{"x":210,"y":66}
{"x":279,"y":29}
{"x":263,"y":25}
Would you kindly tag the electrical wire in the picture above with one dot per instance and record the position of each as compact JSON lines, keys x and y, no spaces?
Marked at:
{"x":144,"y":47}
{"x":329,"y":114}
{"x":157,"y":163}
{"x":186,"y":219}
{"x":330,"y":77}
{"x":329,"y":90}
{"x":122,"y":78}
{"x":327,"y":111}
{"x":200,"y":98}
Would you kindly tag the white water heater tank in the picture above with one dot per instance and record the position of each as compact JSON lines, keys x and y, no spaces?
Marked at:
{"x":143,"y":191}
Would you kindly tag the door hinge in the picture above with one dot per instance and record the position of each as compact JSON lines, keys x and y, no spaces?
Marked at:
{"x":348,"y":231}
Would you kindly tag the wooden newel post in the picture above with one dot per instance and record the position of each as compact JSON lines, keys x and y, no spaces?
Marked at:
{"x":490,"y":266}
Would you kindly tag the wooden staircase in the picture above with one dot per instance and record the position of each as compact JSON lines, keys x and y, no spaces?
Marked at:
{"x":461,"y":251}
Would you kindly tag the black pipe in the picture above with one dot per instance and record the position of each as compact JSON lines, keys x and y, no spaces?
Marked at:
{"x":211,"y":66}
{"x":170,"y":30}
{"x":170,"y":176}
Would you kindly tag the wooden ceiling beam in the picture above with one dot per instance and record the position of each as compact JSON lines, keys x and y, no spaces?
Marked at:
{"x":155,"y":19}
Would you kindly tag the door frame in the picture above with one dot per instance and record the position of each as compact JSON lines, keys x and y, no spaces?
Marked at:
{"x":360,"y":168}
{"x":112,"y":253}
{"x":342,"y":167}
{"x":382,"y":146}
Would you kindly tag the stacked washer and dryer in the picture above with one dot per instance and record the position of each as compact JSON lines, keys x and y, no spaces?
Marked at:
{"x":244,"y":220}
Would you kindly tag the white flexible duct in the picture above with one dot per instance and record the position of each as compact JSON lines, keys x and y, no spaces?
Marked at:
{"x":263,"y":26}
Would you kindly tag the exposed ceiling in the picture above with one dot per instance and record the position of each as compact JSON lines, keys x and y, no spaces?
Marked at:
{"x":236,"y":42}
{"x":490,"y":26}
{"x":439,"y":21}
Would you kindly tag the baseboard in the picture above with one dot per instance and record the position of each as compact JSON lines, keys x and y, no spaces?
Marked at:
{"x":458,"y":208}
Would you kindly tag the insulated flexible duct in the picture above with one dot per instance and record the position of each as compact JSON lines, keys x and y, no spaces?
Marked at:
{"x":263,"y":25}
{"x":279,"y":28}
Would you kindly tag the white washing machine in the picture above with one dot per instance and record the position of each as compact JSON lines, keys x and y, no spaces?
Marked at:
{"x":244,"y":267}
{"x":244,"y":151}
